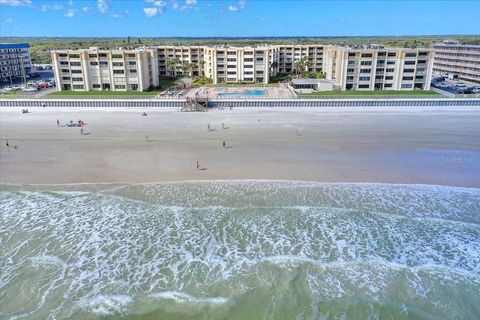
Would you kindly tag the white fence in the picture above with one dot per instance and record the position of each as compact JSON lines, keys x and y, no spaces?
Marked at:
{"x":219,"y":103}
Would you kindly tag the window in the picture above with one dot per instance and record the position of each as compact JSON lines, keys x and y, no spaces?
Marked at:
{"x":131,"y":55}
{"x":92,"y":56}
{"x":232,"y":72}
{"x":390,"y":70}
{"x":408,"y":70}
{"x":410,"y":63}
{"x":132,"y":63}
{"x":102,"y":55}
{"x":365,"y":70}
{"x":388,"y":77}
{"x":364,"y":78}
{"x":366,"y":55}
{"x":62,"y":55}
{"x":117,"y":64}
{"x":407,"y":86}
{"x":349,"y":78}
{"x":231,"y":53}
{"x":259,"y":59}
{"x":363,"y":86}
{"x":77,"y":79}
{"x":93,"y":63}
{"x":96,"y":86}
{"x":248,"y":59}
{"x":351,"y":70}
{"x":117,"y":56}
{"x":231,"y":59}
{"x":221,"y":72}
{"x":76,"y":71}
{"x":75,"y":56}
{"x":410,"y":54}
{"x":120,"y":86}
{"x":392,"y":54}
{"x":390,"y":62}
{"x":118,"y":72}
{"x":387,"y":85}
{"x":78,"y":86}
{"x":351,"y":54}
{"x":66,"y":78}
{"x":422,"y":61}
{"x":366,"y":63}
{"x":248,"y":72}
{"x":103,"y":63}
{"x":75,"y":64}
{"x":62,"y":63}
{"x":407,"y":78}
{"x":132,"y":70}
{"x":381,"y":62}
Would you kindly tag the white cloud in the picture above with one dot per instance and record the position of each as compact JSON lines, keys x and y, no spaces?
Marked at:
{"x":241,"y":5}
{"x":87,"y":9}
{"x":15,"y":3}
{"x":103,"y":6}
{"x":157,"y":3}
{"x":190,"y":2}
{"x":48,"y":7}
{"x":150,"y":12}
{"x":8,"y":20}
{"x":70,"y":3}
{"x":119,"y":14}
{"x":187,"y":6}
{"x":175,"y":4}
{"x":70,"y":13}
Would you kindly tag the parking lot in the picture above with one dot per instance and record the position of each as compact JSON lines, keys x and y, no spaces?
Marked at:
{"x":40,"y":84}
{"x":455,"y":86}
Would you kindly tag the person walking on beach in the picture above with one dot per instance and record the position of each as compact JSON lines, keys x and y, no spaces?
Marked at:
{"x":81,"y":130}
{"x":208,"y":128}
{"x":224,"y":144}
{"x":6,"y":142}
{"x":58,"y":123}
{"x":198,"y":166}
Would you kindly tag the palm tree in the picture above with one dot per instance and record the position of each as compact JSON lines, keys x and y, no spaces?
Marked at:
{"x":171,"y":65}
{"x":201,"y":64}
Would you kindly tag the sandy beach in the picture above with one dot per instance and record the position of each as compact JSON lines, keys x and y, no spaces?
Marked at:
{"x":440,"y":146}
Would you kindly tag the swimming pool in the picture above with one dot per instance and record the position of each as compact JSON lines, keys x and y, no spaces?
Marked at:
{"x":246,"y":93}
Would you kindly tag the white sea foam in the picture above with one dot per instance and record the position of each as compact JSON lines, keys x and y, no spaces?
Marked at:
{"x":164,"y":240}
{"x":182,"y":297}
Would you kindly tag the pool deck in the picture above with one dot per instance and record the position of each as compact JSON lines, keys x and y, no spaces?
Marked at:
{"x":215,"y":93}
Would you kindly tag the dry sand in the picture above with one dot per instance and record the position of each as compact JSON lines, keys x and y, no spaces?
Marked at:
{"x":329,"y":145}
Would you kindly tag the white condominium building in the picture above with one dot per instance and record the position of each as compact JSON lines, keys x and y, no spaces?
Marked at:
{"x":378,"y":68}
{"x":453,"y":57}
{"x":351,"y":68}
{"x":105,"y":69}
{"x":14,"y":61}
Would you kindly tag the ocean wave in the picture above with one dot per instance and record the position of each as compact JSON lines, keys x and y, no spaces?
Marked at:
{"x":216,"y":243}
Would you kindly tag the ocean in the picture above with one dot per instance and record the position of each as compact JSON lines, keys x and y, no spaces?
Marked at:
{"x":239,"y":250}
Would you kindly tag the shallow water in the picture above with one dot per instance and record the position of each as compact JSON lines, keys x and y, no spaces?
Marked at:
{"x":239,"y":250}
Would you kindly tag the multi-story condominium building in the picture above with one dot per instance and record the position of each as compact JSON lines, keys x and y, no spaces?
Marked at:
{"x":378,"y":68}
{"x":351,"y":68}
{"x":106,"y":69}
{"x":453,"y":57}
{"x":14,"y":61}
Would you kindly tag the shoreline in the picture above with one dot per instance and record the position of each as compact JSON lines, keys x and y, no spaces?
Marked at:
{"x":402,"y":145}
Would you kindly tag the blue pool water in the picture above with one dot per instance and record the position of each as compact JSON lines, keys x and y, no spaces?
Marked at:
{"x":247,"y":93}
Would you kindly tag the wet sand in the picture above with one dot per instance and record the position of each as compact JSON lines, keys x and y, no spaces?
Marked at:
{"x":437,"y":146}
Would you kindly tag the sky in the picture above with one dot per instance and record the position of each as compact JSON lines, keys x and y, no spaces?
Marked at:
{"x":235,"y":18}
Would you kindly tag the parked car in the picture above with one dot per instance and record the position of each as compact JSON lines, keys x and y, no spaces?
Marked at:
{"x":460,"y":85}
{"x":8,"y":89}
{"x":51,"y":83}
{"x":42,"y":85}
{"x":30,"y":89}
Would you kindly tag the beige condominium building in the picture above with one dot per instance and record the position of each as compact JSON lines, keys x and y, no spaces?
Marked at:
{"x":351,"y":68}
{"x":455,"y":58}
{"x":105,"y":69}
{"x":378,"y":68}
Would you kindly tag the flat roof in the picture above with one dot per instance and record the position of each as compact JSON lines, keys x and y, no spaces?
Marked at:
{"x":14,"y":45}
